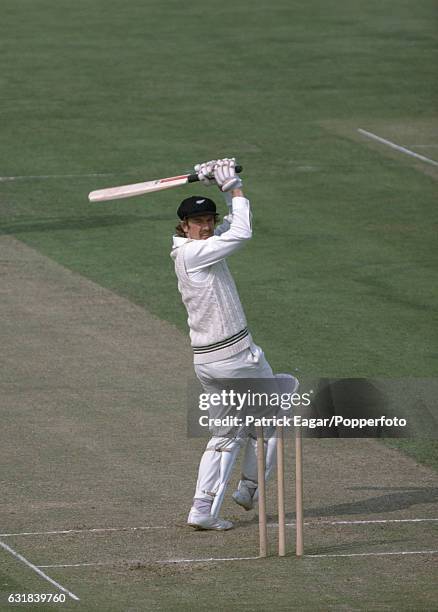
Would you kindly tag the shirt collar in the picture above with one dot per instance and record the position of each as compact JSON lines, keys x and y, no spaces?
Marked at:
{"x":178,"y":241}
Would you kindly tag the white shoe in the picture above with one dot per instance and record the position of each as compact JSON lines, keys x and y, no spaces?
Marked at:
{"x":244,"y":496}
{"x":207,"y":521}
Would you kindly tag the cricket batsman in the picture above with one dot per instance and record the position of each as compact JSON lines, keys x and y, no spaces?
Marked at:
{"x":222,"y":345}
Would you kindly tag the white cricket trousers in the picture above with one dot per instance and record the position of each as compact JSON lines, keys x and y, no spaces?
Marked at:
{"x":222,"y":450}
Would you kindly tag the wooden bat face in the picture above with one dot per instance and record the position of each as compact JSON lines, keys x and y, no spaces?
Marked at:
{"x":128,"y":191}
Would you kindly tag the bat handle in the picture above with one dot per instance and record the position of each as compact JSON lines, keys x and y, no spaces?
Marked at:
{"x":193,"y":178}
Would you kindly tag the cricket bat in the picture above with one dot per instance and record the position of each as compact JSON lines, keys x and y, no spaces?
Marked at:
{"x":136,"y":189}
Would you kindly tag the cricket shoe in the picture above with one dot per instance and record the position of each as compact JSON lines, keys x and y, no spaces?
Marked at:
{"x":207,"y":521}
{"x":245,"y":496}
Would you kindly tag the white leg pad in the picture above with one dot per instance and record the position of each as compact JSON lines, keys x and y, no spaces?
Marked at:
{"x":289,"y":384}
{"x":249,"y":467}
{"x":215,"y":470}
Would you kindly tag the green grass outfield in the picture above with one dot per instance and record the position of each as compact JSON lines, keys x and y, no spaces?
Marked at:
{"x":340,"y":278}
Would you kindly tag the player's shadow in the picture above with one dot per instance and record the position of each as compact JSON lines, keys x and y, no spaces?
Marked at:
{"x":399,"y":498}
{"x":349,"y":547}
{"x":30,"y":225}
{"x":393,"y":499}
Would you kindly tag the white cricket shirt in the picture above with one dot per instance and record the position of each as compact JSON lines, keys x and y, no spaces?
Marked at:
{"x":216,"y":319}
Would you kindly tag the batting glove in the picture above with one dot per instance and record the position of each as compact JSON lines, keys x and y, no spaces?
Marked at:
{"x":205,"y":172}
{"x":225,"y":174}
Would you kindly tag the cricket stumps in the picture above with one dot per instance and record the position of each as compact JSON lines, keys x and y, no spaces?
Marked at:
{"x":263,"y":532}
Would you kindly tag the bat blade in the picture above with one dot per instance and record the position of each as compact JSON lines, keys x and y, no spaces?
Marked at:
{"x":128,"y":191}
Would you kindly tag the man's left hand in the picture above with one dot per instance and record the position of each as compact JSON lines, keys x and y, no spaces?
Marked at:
{"x":205,"y":172}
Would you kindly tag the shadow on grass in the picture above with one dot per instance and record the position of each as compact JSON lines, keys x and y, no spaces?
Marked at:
{"x":29,"y":225}
{"x":371,"y":545}
{"x":398,"y":498}
{"x":394,"y":498}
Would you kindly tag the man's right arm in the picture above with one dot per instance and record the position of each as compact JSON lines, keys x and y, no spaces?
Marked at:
{"x":226,"y":222}
{"x":199,"y":254}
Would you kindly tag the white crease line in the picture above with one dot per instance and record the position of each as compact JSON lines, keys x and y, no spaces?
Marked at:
{"x":207,"y":559}
{"x":85,"y":564}
{"x":67,"y":531}
{"x":379,"y":554}
{"x":38,"y":571}
{"x":371,"y":521}
{"x":147,"y":528}
{"x":220,"y":559}
{"x":4,"y":179}
{"x":397,"y":147}
{"x":161,"y":562}
{"x":364,"y":522}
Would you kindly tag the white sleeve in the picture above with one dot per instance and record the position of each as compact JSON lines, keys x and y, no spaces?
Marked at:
{"x":199,"y":254}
